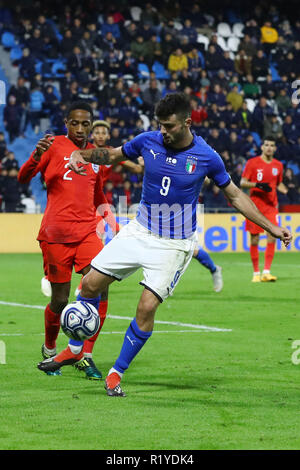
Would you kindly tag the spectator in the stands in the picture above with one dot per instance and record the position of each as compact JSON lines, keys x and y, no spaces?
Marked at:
{"x":110,"y":26}
{"x":151,"y":96}
{"x":217,"y":96}
{"x":12,"y":118}
{"x":35,"y":44}
{"x":290,"y":130}
{"x":36,"y":108}
{"x":11,"y":191}
{"x":227,"y":63}
{"x":3,"y":146}
{"x":177,"y":61}
{"x":260,"y":65}
{"x":244,"y":116}
{"x":215,"y":199}
{"x":140,"y":49}
{"x":111,"y":193}
{"x":261,"y":111}
{"x":269,"y":36}
{"x":190,"y":31}
{"x":242,"y":63}
{"x":283,"y":102}
{"x":273,"y":127}
{"x":235,"y":98}
{"x":291,"y":182}
{"x":20,"y":91}
{"x":9,"y":162}
{"x":149,"y":15}
{"x":75,"y":61}
{"x":250,"y":87}
{"x":214,"y":140}
{"x":248,"y":46}
{"x":77,"y":30}
{"x":198,"y":113}
{"x":235,"y":144}
{"x":26,"y":64}
{"x":249,"y":147}
{"x":128,"y":63}
{"x":45,"y":27}
{"x":289,"y":66}
{"x":213,"y":60}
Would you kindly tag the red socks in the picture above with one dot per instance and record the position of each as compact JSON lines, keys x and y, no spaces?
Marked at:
{"x":52,"y":327}
{"x":254,"y":253}
{"x":89,"y":343}
{"x":269,"y":255}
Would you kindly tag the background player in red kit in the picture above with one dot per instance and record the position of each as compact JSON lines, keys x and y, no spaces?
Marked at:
{"x":67,"y":234}
{"x":263,"y":176}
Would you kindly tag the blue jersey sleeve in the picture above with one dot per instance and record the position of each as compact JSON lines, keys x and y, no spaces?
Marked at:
{"x":217,"y":171}
{"x":133,"y":149}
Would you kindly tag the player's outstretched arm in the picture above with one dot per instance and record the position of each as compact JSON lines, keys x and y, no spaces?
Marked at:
{"x":99,"y":156}
{"x":245,"y":206}
{"x":31,"y":167}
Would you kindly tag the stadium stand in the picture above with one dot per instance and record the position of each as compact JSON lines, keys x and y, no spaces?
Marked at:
{"x":240,"y":64}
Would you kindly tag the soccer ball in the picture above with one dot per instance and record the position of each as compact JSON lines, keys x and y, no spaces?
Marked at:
{"x":80,"y":320}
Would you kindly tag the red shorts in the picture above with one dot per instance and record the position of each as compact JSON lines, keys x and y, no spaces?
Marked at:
{"x":270,"y":213}
{"x":59,"y":258}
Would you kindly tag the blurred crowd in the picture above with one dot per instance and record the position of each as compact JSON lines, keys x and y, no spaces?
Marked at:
{"x":122,"y":57}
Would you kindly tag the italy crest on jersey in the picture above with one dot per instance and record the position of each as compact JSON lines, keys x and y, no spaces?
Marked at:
{"x":191,"y":164}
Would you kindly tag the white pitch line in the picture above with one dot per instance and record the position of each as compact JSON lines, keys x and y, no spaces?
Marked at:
{"x":109,"y":332}
{"x":117,"y":317}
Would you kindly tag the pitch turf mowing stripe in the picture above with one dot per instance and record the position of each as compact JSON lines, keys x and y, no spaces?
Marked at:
{"x":117,"y":317}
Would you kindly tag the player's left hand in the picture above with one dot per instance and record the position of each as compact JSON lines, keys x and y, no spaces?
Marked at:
{"x":283,"y":234}
{"x":77,"y":163}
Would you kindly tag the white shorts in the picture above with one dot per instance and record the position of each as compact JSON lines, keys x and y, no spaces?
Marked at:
{"x":163,"y":260}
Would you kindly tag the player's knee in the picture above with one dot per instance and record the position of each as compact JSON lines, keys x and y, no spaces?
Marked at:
{"x":195,"y":254}
{"x":90,"y":287}
{"x":146,"y":307}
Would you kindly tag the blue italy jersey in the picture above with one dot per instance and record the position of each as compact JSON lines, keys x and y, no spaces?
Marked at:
{"x":172,"y":182}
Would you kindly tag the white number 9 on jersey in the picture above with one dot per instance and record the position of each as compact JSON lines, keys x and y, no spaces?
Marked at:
{"x":259,"y":176}
{"x":165,"y":182}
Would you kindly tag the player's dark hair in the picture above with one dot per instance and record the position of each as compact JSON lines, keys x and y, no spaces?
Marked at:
{"x":269,"y":138}
{"x":79,"y":105}
{"x":173,"y":103}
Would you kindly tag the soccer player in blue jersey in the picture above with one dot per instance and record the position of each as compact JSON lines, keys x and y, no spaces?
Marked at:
{"x":162,"y":238}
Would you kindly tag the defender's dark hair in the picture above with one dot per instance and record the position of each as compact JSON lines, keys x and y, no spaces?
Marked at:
{"x":79,"y":105}
{"x":173,"y":103}
{"x":270,"y":138}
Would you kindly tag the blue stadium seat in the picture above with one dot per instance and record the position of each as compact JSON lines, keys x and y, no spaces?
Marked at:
{"x":143,"y":71}
{"x":274,"y":72}
{"x":58,"y":68}
{"x":160,"y":72}
{"x":256,"y":138}
{"x":16,"y":53}
{"x":8,"y":40}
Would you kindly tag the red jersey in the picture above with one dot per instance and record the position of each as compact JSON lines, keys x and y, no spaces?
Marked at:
{"x":70,"y":213}
{"x":258,"y":170}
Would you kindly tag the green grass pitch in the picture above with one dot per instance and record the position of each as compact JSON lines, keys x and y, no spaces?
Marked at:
{"x":188,"y":389}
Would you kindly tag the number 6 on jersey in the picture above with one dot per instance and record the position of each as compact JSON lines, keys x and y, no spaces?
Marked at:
{"x":165,"y":182}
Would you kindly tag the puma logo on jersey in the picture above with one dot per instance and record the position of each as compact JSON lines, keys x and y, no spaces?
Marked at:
{"x":153,"y":153}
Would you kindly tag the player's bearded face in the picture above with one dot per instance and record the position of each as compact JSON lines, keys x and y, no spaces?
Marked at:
{"x":79,"y":125}
{"x":173,"y":130}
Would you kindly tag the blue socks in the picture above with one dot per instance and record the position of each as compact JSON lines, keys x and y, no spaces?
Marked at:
{"x":133,"y":342}
{"x":76,"y":346}
{"x":206,"y":260}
